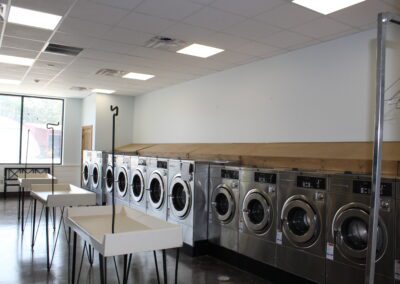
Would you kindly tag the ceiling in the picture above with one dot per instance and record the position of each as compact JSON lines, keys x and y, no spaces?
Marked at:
{"x":114,"y":33}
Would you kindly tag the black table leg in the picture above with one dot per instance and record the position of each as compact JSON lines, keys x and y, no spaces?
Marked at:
{"x":54,"y":219}
{"x":22,"y":208}
{"x":33,"y":222}
{"x":47,"y":238}
{"x":156,"y":263}
{"x":105,"y":269}
{"x":176,"y":265}
{"x":19,"y":203}
{"x":125,"y":265}
{"x":126,"y":273}
{"x":164,"y":260}
{"x":101,"y":259}
{"x":73,"y":258}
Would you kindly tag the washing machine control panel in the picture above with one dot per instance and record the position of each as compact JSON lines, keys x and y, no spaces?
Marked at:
{"x":265,"y":178}
{"x":162,"y":164}
{"x":310,"y":182}
{"x":229,"y":174}
{"x":364,"y":187}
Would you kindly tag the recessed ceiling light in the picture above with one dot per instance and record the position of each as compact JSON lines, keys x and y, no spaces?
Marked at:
{"x":8,"y":59}
{"x":200,"y":50}
{"x":10,"y":82}
{"x":103,"y":91}
{"x":33,"y":18}
{"x":138,"y":76}
{"x":326,"y":6}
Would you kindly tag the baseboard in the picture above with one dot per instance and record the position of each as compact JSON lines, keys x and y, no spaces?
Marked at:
{"x":200,"y":248}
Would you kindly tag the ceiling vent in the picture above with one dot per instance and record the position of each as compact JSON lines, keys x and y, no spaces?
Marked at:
{"x":165,"y":43}
{"x":78,"y":89}
{"x":111,"y":72}
{"x":63,"y":49}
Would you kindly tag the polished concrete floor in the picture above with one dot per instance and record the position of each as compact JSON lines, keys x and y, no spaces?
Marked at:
{"x":20,"y":264}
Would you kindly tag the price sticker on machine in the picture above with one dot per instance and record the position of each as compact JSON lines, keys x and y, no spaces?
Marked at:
{"x":279,"y":237}
{"x":397,"y":269}
{"x":330,"y":248}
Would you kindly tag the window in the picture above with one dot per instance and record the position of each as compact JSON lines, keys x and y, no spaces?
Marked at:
{"x":20,"y":115}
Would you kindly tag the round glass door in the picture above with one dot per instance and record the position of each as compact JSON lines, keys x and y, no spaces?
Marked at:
{"x":180,"y":197}
{"x":137,"y":189}
{"x":95,"y":176}
{"x":122,"y":182}
{"x":156,"y":190}
{"x":85,"y":174}
{"x":257,"y":212}
{"x":351,"y":234}
{"x":109,"y":179}
{"x":300,"y":222}
{"x":223,"y":204}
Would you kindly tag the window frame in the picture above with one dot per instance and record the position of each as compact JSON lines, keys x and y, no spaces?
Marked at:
{"x":21,"y":127}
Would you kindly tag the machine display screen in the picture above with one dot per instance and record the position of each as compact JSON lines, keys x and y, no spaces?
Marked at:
{"x":265,"y":178}
{"x":162,"y":164}
{"x":311,"y":182}
{"x":364,"y":187}
{"x":229,"y":174}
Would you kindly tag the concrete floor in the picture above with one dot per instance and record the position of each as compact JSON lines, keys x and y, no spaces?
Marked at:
{"x":20,"y":264}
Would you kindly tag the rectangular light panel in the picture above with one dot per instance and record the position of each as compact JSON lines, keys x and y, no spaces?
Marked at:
{"x":200,"y":50}
{"x":33,"y":18}
{"x":138,"y":76}
{"x":327,"y":6}
{"x":16,"y":60}
{"x":10,"y":82}
{"x":103,"y":91}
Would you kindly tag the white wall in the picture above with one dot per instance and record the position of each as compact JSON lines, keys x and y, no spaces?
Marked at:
{"x":321,"y":93}
{"x":89,"y":115}
{"x":72,"y":133}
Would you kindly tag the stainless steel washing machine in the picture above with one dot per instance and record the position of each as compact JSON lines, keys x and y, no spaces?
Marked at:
{"x":257,"y":223}
{"x":348,"y":207}
{"x":109,"y":180}
{"x":86,"y":166}
{"x":157,"y":176}
{"x":99,"y":160}
{"x":187,"y":199}
{"x":123,"y":171}
{"x":138,"y":183}
{"x":300,"y":232}
{"x":397,"y":239}
{"x":223,"y":220}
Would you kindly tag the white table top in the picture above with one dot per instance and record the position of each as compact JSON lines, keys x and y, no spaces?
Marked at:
{"x":64,"y":195}
{"x":134,"y":230}
{"x":27,"y":180}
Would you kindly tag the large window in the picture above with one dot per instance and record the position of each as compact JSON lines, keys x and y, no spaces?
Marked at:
{"x":20,"y":115}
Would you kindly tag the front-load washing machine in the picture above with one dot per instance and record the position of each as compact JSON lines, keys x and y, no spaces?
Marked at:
{"x":138,"y":183}
{"x":99,"y":160}
{"x":109,"y":180}
{"x":300,"y":232}
{"x":223,"y":220}
{"x":187,"y":200}
{"x":348,"y":208}
{"x":122,"y":178}
{"x":157,"y":176}
{"x":86,"y":166}
{"x":257,"y":223}
{"x":397,"y":222}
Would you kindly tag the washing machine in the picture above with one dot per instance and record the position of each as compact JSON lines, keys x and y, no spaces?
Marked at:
{"x":257,"y":221}
{"x":138,"y":183}
{"x":348,"y":207}
{"x":122,"y":178}
{"x":86,"y":165}
{"x":109,"y":180}
{"x":397,"y":222}
{"x":157,"y":177}
{"x":187,"y":200}
{"x":300,"y":235}
{"x":99,"y":159}
{"x":223,"y":220}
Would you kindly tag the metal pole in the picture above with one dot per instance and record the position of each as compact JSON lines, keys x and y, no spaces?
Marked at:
{"x":113,"y":165}
{"x":377,"y":159}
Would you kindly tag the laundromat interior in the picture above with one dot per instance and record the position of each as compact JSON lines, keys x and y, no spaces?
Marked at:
{"x":200,"y":141}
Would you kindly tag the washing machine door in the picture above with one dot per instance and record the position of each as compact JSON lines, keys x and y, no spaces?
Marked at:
{"x":109,"y":179}
{"x":301,"y":223}
{"x":85,"y":174}
{"x":137,"y":186}
{"x":122,"y":182}
{"x":257,"y":212}
{"x":223,"y":204}
{"x":180,"y":197}
{"x":95,"y":176}
{"x":156,"y":190}
{"x":350,"y":232}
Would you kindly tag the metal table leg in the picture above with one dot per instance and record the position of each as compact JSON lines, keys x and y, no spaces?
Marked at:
{"x":73,"y":258}
{"x":164,"y":256}
{"x":47,"y":238}
{"x":19,"y":203}
{"x":156,"y":263}
{"x":101,"y":259}
{"x":33,"y":222}
{"x":22,"y":208}
{"x":176,"y":265}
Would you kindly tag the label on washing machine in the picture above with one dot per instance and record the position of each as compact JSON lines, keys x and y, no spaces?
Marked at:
{"x":279,"y":237}
{"x":397,"y":269}
{"x":330,"y":248}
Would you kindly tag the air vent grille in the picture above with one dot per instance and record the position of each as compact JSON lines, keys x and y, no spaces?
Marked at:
{"x":111,"y":72}
{"x":165,"y":43}
{"x":63,"y":49}
{"x":78,"y":88}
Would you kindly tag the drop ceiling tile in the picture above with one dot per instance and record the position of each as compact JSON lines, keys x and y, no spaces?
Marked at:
{"x":58,"y":7}
{"x":247,"y":8}
{"x":47,"y":66}
{"x":234,"y":57}
{"x":82,"y":27}
{"x":213,"y":19}
{"x":322,"y":27}
{"x":21,"y":43}
{"x":395,"y":3}
{"x":56,"y":58}
{"x":288,"y":16}
{"x":10,"y":74}
{"x":225,"y":41}
{"x":98,"y":13}
{"x":187,"y":32}
{"x":18,"y":52}
{"x":122,"y":4}
{"x":40,"y":76}
{"x":257,"y":49}
{"x":145,"y":23}
{"x":361,"y":14}
{"x":286,"y":39}
{"x":76,"y":40}
{"x":27,"y":32}
{"x":251,"y":29}
{"x":127,"y":36}
{"x":169,"y":9}
{"x":304,"y":44}
{"x":115,"y":47}
{"x":204,"y":2}
{"x":44,"y":71}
